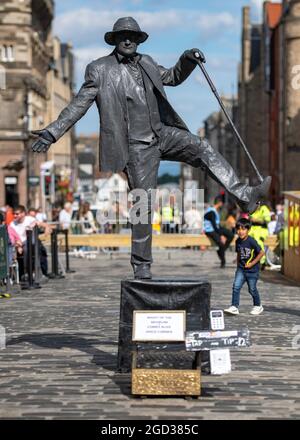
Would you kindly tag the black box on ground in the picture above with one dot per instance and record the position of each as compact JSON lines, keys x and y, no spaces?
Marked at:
{"x":189,"y":294}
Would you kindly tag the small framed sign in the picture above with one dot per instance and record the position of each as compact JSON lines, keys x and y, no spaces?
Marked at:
{"x":159,"y":325}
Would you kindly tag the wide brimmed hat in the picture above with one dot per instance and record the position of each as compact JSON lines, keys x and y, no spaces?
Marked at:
{"x":122,"y":25}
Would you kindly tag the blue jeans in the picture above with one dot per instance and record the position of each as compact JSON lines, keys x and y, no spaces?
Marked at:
{"x":251,"y":278}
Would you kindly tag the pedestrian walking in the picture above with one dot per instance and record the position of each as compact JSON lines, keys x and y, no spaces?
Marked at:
{"x":212,"y":228}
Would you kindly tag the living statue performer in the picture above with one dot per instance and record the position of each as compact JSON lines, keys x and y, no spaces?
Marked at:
{"x":139,"y":127}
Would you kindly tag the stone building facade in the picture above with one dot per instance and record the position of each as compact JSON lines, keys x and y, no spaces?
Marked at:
{"x":87,"y":168}
{"x":87,"y":163}
{"x":289,"y":100}
{"x":253,"y":100}
{"x":39,"y":81}
{"x":269,"y":95}
{"x":60,"y":85}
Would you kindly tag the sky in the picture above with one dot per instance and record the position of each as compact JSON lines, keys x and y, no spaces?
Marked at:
{"x":214,"y":26}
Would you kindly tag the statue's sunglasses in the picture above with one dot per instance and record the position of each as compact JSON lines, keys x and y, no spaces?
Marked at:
{"x":133,"y":37}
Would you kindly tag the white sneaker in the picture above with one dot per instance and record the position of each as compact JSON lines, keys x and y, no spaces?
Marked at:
{"x":232,"y":310}
{"x":257,"y":310}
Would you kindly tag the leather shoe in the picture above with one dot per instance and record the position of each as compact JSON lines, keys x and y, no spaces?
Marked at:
{"x":258,"y":194}
{"x":142,"y":271}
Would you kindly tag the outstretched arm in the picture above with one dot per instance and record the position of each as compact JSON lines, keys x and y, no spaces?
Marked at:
{"x":72,"y":113}
{"x":182,"y":69}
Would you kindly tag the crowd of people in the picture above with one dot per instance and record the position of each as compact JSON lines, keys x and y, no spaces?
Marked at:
{"x":17,"y":222}
{"x":219,"y":224}
{"x":264,"y":222}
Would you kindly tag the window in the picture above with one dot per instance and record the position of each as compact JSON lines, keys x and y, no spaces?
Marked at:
{"x":7,"y":53}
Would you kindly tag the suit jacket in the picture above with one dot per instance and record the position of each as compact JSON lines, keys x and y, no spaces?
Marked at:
{"x":103,"y":84}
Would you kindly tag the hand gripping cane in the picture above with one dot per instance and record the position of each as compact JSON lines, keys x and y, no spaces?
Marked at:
{"x":214,"y":90}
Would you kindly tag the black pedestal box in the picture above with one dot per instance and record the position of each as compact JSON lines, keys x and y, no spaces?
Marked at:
{"x":189,"y":294}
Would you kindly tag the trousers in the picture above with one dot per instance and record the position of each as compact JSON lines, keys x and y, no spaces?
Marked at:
{"x":178,"y":145}
{"x":216,"y":237}
{"x":241,"y":277}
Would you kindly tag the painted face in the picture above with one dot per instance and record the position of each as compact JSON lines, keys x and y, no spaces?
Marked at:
{"x":126,"y":43}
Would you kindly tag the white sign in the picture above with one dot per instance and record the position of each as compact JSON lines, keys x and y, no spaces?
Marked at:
{"x":10,"y":180}
{"x":209,"y":340}
{"x":159,"y":325}
{"x":220,"y":361}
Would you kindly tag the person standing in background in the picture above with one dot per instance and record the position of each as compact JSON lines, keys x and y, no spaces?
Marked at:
{"x":14,"y":240}
{"x":9,"y":215}
{"x":212,"y":228}
{"x":272,"y":224}
{"x":193,"y":220}
{"x":32,"y":212}
{"x":65,"y":216}
{"x":231,"y":221}
{"x":40,"y":215}
{"x":87,"y":219}
{"x":259,"y":230}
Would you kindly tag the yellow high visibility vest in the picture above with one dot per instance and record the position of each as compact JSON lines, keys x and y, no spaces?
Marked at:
{"x":259,"y":233}
{"x":156,"y":222}
{"x":294,"y":225}
{"x":167,"y":214}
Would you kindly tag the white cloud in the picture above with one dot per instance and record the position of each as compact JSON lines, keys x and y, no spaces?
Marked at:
{"x":85,"y":55}
{"x":210,"y":23}
{"x":199,"y":78}
{"x":257,"y":3}
{"x":221,"y":63}
{"x":84,"y":25}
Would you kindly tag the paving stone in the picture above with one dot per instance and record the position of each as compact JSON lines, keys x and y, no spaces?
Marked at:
{"x":61,"y":355}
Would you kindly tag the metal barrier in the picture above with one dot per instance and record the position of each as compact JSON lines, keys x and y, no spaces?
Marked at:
{"x":4,"y":258}
{"x":32,"y":260}
{"x":37,"y":257}
{"x":54,"y":256}
{"x":66,"y":234}
{"x":31,"y":257}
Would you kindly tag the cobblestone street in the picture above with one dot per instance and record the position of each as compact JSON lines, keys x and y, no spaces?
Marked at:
{"x":61,"y":348}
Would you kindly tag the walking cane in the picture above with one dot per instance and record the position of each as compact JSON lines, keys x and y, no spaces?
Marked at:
{"x":214,"y":90}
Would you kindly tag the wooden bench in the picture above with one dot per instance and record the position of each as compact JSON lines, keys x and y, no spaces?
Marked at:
{"x":158,"y":241}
